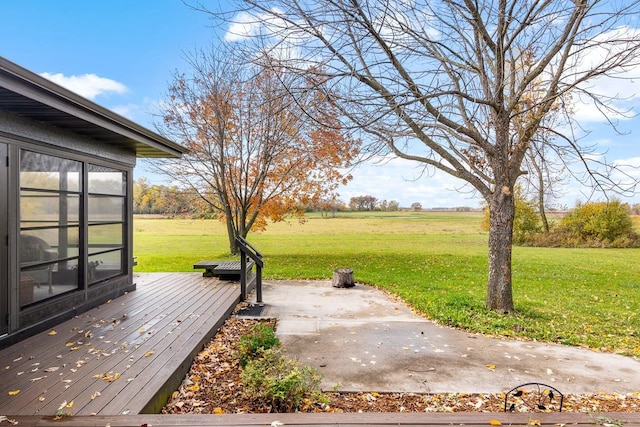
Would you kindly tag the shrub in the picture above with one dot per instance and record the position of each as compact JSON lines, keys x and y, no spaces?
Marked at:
{"x":261,"y":338}
{"x":602,"y":222}
{"x":281,"y":381}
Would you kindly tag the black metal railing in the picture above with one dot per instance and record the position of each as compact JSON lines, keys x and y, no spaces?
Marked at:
{"x":248,"y":251}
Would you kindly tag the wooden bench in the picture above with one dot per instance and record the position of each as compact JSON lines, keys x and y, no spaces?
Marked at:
{"x":223,"y":269}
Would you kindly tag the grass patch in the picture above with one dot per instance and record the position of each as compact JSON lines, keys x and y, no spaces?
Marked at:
{"x":437,"y":263}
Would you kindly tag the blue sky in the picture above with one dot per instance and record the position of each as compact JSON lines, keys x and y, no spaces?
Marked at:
{"x":121,"y":54}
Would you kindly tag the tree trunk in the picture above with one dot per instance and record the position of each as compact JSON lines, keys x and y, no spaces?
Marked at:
{"x":231,"y":233}
{"x":541,"y":208}
{"x":502,"y":212}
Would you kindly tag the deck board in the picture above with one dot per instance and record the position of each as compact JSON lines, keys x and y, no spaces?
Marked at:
{"x":331,"y":420}
{"x":147,"y":336}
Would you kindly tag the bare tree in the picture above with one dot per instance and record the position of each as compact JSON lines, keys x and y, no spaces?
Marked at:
{"x":442,"y":82}
{"x":255,"y":152}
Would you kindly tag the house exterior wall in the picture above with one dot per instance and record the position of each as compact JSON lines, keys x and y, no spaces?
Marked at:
{"x":42,"y":141}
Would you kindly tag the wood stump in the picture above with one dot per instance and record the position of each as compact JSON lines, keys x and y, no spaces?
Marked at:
{"x":343,"y":278}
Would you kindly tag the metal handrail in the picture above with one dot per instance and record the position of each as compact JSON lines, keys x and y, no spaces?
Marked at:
{"x":247,"y":250}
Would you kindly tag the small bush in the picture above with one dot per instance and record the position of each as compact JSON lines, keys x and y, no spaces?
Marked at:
{"x":281,"y":381}
{"x":600,"y":224}
{"x":261,"y":338}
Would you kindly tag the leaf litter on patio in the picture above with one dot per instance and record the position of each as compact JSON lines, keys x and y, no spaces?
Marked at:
{"x":213,"y":386}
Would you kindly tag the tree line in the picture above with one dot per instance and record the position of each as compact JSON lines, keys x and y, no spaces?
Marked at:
{"x":157,"y":199}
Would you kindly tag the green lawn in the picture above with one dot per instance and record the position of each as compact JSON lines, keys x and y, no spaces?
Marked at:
{"x":437,"y":262}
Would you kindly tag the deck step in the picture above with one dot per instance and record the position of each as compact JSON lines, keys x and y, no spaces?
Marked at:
{"x":229,"y":270}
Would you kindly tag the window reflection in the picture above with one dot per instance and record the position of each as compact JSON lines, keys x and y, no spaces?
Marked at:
{"x":106,"y":208}
{"x":53,"y":231}
{"x":50,"y":191}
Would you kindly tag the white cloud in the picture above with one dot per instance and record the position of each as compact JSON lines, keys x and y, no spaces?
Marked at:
{"x":246,"y":25}
{"x":129,"y":110}
{"x":619,"y":87}
{"x":87,"y":85}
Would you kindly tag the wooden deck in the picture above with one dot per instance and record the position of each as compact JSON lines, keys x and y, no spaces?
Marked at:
{"x":349,"y":419}
{"x":124,"y":357}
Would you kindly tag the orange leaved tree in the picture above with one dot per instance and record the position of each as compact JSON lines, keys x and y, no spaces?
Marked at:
{"x":256,"y":152}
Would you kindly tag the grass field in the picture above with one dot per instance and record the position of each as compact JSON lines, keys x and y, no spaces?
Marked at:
{"x":436,"y":262}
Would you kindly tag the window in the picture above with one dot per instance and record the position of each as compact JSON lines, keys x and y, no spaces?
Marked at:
{"x":50,"y":217}
{"x":106,"y":232}
{"x":59,"y":248}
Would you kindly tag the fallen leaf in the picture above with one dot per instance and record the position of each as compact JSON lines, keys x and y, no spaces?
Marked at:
{"x":276,"y":424}
{"x":52,"y":332}
{"x":14,"y":392}
{"x":52,"y":369}
{"x":492,"y":367}
{"x":149,"y":353}
{"x":218,"y":411}
{"x":108,"y":377}
{"x":495,"y":423}
{"x":41,"y":399}
{"x":94,"y":395}
{"x":142,"y":330}
{"x":69,"y":405}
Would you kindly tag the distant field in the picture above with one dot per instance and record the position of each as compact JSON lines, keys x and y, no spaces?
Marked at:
{"x":437,"y":262}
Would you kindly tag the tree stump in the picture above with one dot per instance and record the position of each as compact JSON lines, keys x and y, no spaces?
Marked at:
{"x":343,"y":278}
